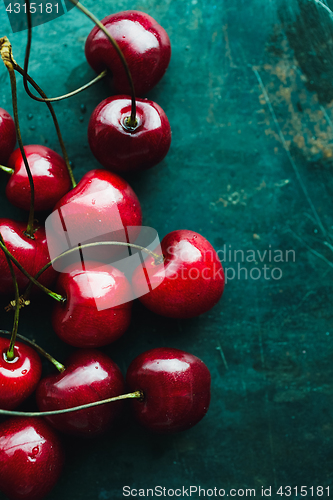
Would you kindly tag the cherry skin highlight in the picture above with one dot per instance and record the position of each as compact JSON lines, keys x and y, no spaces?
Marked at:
{"x":7,"y":136}
{"x":90,"y":376}
{"x":176,"y":388}
{"x":98,"y":305}
{"x":19,"y":377}
{"x":50,"y":175}
{"x":144,"y":43}
{"x":32,"y":254}
{"x":102,"y":207}
{"x":121,"y":149}
{"x":188,"y":283}
{"x":31,"y":458}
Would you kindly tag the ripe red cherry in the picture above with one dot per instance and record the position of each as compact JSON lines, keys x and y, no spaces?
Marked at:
{"x":90,"y":376}
{"x":32,"y":254}
{"x":7,"y":136}
{"x":31,"y":458}
{"x":122,"y":149}
{"x":176,"y":388}
{"x":144,"y":43}
{"x":100,"y":208}
{"x":19,"y":377}
{"x":98,"y":306}
{"x":189,"y":283}
{"x":50,"y":175}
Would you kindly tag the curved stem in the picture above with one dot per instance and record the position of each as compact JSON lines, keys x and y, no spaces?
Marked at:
{"x":59,"y":366}
{"x":6,"y":54}
{"x":131,"y":122}
{"x":8,"y":170}
{"x":54,"y":295}
{"x":10,"y":355}
{"x":26,"y":78}
{"x":26,"y":65}
{"x":157,"y":258}
{"x":55,"y":121}
{"x":70,"y":94}
{"x":132,"y":395}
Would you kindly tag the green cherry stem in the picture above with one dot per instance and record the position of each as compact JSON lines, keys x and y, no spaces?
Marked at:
{"x":8,"y":170}
{"x":158,"y":259}
{"x":54,"y":295}
{"x":59,"y":366}
{"x":54,"y":117}
{"x":26,"y":65}
{"x":132,"y":395}
{"x":6,"y":54}
{"x":10,"y":355}
{"x":131,"y":122}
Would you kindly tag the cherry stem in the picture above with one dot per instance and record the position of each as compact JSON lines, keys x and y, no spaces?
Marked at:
{"x":59,"y":366}
{"x":8,"y":170}
{"x":157,"y":258}
{"x":55,"y":120}
{"x":7,"y":57}
{"x":131,"y":122}
{"x":10,"y":355}
{"x":132,"y":395}
{"x":56,"y":296}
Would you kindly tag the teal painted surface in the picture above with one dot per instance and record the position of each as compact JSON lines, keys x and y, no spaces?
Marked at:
{"x":248,"y":96}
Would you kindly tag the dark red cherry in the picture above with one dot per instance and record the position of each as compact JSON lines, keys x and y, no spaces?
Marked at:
{"x":7,"y":136}
{"x":31,"y":458}
{"x":32,"y":254}
{"x":50,"y":175}
{"x":98,"y":305}
{"x":100,"y":208}
{"x":176,"y":388}
{"x":189,"y":283}
{"x":90,"y":376}
{"x":144,"y":43}
{"x":19,"y":377}
{"x":121,"y":149}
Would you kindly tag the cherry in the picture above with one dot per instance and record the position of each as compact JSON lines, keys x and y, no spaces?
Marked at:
{"x":125,"y":149}
{"x":7,"y":136}
{"x":176,"y":389}
{"x":144,"y":43}
{"x":98,"y":306}
{"x":100,"y":208}
{"x":32,"y":254}
{"x":189,"y":283}
{"x":50,"y":175}
{"x":31,"y":458}
{"x":90,"y":376}
{"x":19,"y":377}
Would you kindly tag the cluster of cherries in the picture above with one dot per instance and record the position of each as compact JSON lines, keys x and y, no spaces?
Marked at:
{"x":169,"y":388}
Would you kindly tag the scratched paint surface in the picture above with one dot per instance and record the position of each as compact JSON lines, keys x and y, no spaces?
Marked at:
{"x":249,"y":96}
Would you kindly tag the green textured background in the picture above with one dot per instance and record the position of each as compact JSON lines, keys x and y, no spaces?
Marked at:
{"x":248,"y":94}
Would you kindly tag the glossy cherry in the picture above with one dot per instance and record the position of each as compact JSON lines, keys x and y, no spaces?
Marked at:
{"x":98,"y":305}
{"x":90,"y":376}
{"x":19,"y":377}
{"x":100,"y":208}
{"x":31,"y":458}
{"x":32,"y":254}
{"x":122,"y":149}
{"x":7,"y":136}
{"x":189,"y":283}
{"x":50,"y":175}
{"x":144,"y":43}
{"x":176,"y":389}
